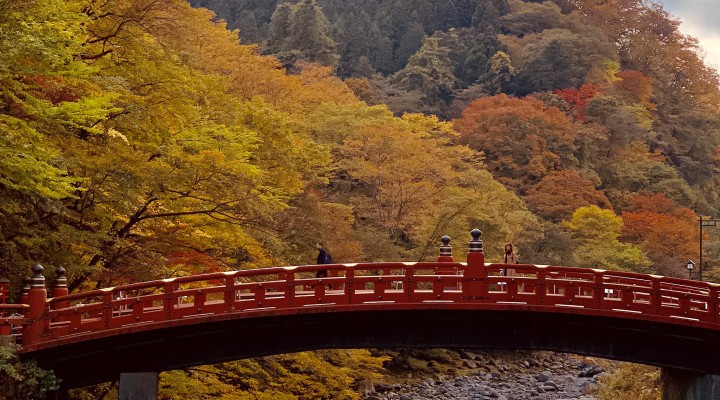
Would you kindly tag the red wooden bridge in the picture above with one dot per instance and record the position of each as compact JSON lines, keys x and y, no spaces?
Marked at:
{"x":172,"y":323}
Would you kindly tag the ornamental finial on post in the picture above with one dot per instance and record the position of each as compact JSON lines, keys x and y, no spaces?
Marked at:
{"x":60,"y":278}
{"x":37,"y":280}
{"x":445,"y":250}
{"x":60,"y":287}
{"x":475,"y":256}
{"x":476,"y":244}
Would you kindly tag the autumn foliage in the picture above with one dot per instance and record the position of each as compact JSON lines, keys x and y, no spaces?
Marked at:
{"x":666,"y":232}
{"x":523,"y":139}
{"x":560,"y":193}
{"x":578,"y":98}
{"x":139,"y":139}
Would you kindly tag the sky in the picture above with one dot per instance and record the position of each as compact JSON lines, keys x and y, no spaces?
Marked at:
{"x":699,"y":19}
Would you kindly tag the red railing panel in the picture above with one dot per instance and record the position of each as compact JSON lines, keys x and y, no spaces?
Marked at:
{"x":179,"y":300}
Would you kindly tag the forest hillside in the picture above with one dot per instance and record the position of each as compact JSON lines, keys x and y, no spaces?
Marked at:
{"x":141,"y":139}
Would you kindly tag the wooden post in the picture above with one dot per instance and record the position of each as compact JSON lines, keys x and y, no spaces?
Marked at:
{"x":474,"y":282}
{"x":445,"y":250}
{"x":24,"y":291}
{"x":60,"y":289}
{"x":446,"y":256}
{"x":37,"y":299}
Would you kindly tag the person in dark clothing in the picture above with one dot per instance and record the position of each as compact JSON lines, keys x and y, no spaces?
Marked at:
{"x":323,"y":258}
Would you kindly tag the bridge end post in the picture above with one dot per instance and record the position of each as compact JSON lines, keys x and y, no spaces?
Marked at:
{"x":445,"y":250}
{"x":475,"y":273}
{"x":37,"y":299}
{"x":23,"y":299}
{"x":60,"y":288}
{"x":138,"y":386}
{"x":446,"y":256}
{"x":685,"y":385}
{"x":4,"y":294}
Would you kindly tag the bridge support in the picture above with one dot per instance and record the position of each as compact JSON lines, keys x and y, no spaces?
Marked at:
{"x":138,"y":386}
{"x":684,"y":385}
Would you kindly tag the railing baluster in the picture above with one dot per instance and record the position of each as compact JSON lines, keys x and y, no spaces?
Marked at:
{"x":541,"y":288}
{"x":229,"y":297}
{"x":169,"y":299}
{"x":656,"y":295}
{"x":289,"y":287}
{"x":379,"y":287}
{"x":319,"y":290}
{"x":409,"y":285}
{"x":349,"y":288}
{"x":713,"y":303}
{"x":107,"y":308}
{"x":259,"y":295}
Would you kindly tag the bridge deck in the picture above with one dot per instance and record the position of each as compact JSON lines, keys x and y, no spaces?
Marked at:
{"x":278,"y":291}
{"x":198,"y":319}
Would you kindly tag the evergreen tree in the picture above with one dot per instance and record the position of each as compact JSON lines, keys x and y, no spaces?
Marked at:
{"x":310,"y":34}
{"x":562,"y":63}
{"x":279,"y":29}
{"x":487,"y":14}
{"x":431,"y":72}
{"x":501,"y":75}
{"x":248,"y":27}
{"x":409,"y":43}
{"x":477,"y":62}
{"x":358,"y":36}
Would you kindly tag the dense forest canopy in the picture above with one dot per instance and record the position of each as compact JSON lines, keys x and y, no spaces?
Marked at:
{"x":141,"y":139}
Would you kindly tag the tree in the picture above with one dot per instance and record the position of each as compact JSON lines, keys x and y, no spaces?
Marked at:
{"x":21,"y":380}
{"x":301,"y":31}
{"x":579,"y":99}
{"x":635,"y":169}
{"x":526,"y":18}
{"x":248,"y":27}
{"x":622,"y":124}
{"x":310,"y":34}
{"x":559,"y":64}
{"x":667,"y":233}
{"x":46,"y":96}
{"x":501,"y":76}
{"x":596,"y":232}
{"x":635,"y":88}
{"x":478,"y":60}
{"x":280,"y":29}
{"x":398,"y":165}
{"x":522,"y":139}
{"x":560,"y":193}
{"x":488,"y":13}
{"x":429,"y":71}
{"x":477,"y":199}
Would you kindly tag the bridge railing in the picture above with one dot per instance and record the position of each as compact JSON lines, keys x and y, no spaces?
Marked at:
{"x":268,"y":291}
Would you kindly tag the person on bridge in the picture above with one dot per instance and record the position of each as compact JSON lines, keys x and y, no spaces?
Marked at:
{"x":323,"y":258}
{"x":509,"y":258}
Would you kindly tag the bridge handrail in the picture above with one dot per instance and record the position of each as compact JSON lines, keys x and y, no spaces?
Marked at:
{"x":613,"y":293}
{"x":669,"y":283}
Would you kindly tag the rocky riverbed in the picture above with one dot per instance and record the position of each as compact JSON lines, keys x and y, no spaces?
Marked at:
{"x":538,"y":375}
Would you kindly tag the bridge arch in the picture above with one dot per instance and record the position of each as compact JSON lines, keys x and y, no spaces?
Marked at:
{"x":173,"y":323}
{"x":224,"y":339}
